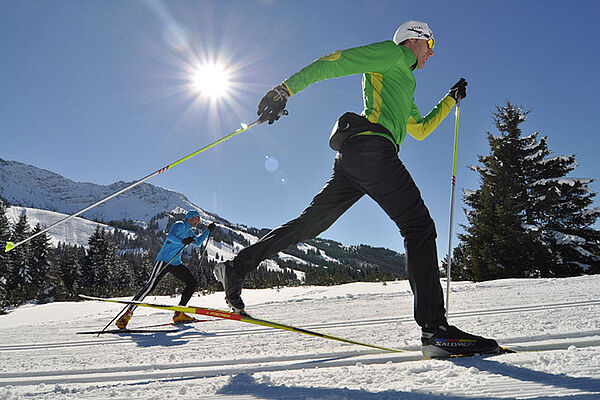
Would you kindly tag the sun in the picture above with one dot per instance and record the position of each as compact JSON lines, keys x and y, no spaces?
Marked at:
{"x":211,"y":80}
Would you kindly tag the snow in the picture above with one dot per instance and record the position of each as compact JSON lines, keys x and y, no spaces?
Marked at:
{"x":564,"y":159}
{"x":273,"y":266}
{"x":306,"y":247}
{"x":76,"y":231}
{"x":537,"y":154}
{"x":325,"y":257}
{"x":530,"y":227}
{"x":224,"y":250}
{"x":563,"y":238}
{"x":482,"y":170}
{"x":162,"y":223}
{"x":564,"y":181}
{"x":288,"y":257}
{"x":585,"y":253}
{"x":42,"y":357}
{"x":592,"y":211}
{"x":250,"y":238}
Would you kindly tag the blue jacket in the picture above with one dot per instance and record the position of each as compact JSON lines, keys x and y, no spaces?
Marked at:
{"x":179,"y":231}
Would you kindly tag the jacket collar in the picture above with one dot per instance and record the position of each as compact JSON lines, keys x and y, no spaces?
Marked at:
{"x":411,"y":59}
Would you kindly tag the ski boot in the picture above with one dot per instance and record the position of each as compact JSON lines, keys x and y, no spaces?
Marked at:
{"x":124,"y":320}
{"x":232,"y":283}
{"x":446,"y":341}
{"x":181,"y":318}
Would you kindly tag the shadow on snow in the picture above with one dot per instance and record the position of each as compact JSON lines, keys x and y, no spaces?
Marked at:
{"x":243,"y":384}
{"x":166,"y":339}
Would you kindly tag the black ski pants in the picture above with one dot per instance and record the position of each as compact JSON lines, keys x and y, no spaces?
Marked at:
{"x":369,"y":165}
{"x":159,"y":270}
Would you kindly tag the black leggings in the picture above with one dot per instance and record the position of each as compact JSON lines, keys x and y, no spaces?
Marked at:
{"x":367,"y":165}
{"x":180,"y":272}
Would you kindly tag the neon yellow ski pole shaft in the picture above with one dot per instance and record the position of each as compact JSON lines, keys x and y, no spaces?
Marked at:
{"x":449,"y":268}
{"x":245,"y":127}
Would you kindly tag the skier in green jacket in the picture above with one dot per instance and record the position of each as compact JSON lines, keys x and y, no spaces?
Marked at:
{"x":367,"y":163}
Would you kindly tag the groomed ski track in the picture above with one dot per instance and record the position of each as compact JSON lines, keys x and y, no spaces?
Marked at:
{"x":249,"y":330}
{"x":232,"y":360}
{"x":268,"y":364}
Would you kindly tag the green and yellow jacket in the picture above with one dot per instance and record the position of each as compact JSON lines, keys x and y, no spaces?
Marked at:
{"x":388,"y":87}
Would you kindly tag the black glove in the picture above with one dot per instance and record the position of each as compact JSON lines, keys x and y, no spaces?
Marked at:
{"x":189,"y":240}
{"x":272,"y":106}
{"x":459,"y":90}
{"x":211,"y":227}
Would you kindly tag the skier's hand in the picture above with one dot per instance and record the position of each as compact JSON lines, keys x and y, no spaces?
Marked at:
{"x":459,"y":90}
{"x":188,"y":240}
{"x":272,"y":105}
{"x":211,"y":227}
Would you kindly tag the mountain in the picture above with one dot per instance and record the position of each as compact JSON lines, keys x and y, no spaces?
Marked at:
{"x":33,"y":187}
{"x":47,"y":197}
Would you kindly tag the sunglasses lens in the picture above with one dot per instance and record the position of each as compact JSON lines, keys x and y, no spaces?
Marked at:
{"x":430,"y":43}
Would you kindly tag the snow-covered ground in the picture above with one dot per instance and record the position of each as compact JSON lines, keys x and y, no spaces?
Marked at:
{"x":76,"y":231}
{"x":554,"y":321}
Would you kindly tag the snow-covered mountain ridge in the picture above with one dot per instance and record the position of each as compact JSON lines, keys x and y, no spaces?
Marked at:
{"x":30,"y":186}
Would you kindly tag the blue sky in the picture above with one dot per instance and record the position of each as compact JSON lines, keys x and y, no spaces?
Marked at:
{"x":99,"y":92}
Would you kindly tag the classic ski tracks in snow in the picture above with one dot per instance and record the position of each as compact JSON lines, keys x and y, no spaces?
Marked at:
{"x":124,"y":338}
{"x":213,"y":368}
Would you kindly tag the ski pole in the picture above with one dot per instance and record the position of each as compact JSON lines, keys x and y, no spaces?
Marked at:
{"x":245,"y":127}
{"x":160,"y":272}
{"x":449,"y":268}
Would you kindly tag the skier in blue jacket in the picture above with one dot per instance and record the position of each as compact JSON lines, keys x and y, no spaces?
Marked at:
{"x":168,"y":260}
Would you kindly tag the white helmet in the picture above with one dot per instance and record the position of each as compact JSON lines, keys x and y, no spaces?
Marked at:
{"x":413,"y":30}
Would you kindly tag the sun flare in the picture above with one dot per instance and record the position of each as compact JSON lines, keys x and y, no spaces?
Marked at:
{"x":211,"y":80}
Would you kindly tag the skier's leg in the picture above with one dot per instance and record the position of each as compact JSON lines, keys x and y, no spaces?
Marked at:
{"x":148,"y":287}
{"x":373,"y":163}
{"x":182,"y":273}
{"x":338,"y":194}
{"x":388,"y":182}
{"x":153,"y":280}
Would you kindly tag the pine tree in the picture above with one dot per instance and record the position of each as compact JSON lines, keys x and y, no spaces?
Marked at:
{"x":142,"y":274}
{"x":561,"y":214}
{"x":101,"y":265}
{"x":119,"y":276}
{"x":523,"y":208}
{"x":123,"y":280}
{"x":89,"y":268}
{"x":41,"y":285}
{"x":4,"y":264}
{"x":68,"y":269}
{"x":460,"y":264}
{"x":496,"y":243}
{"x":19,"y":279}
